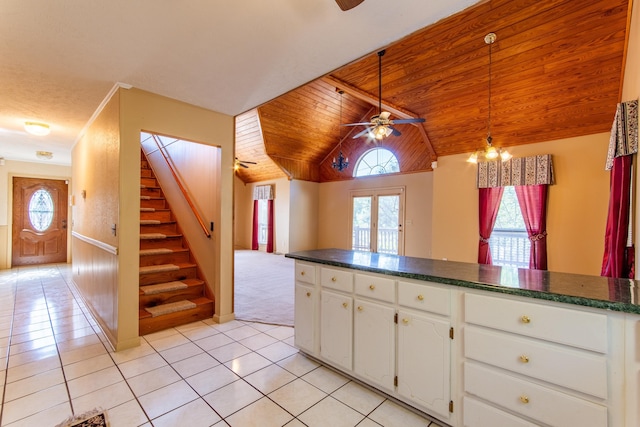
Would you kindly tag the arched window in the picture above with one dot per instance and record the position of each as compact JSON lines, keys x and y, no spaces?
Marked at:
{"x":377,"y":161}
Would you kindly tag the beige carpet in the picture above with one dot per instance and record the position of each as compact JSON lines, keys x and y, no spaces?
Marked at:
{"x":264,"y":287}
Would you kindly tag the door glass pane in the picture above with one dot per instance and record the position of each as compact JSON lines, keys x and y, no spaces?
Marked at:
{"x":263,"y":218}
{"x":388,"y":221}
{"x":361,"y":226}
{"x":41,"y":210}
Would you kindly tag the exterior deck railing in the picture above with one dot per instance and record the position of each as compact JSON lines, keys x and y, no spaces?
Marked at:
{"x":387,"y":240}
{"x":510,"y":248}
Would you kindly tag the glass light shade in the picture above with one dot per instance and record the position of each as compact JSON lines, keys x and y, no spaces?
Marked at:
{"x":491,"y":153}
{"x":473,"y":158}
{"x":35,"y":128}
{"x":505,"y":155}
{"x":381,"y":132}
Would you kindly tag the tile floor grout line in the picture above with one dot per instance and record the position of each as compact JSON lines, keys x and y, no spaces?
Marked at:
{"x":6,"y":371}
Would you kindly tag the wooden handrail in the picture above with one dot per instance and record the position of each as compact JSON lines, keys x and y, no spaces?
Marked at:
{"x":182,"y":189}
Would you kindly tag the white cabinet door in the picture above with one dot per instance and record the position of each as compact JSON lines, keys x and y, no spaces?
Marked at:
{"x":336,"y":328}
{"x":374,"y":345}
{"x":424,"y":349}
{"x":305,"y":317}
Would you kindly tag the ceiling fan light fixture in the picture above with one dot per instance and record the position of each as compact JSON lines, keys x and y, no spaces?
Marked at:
{"x":491,"y":153}
{"x":37,"y":128}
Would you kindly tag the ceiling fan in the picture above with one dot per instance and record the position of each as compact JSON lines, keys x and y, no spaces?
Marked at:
{"x":348,"y":4}
{"x":243,"y":163}
{"x":381,"y":125}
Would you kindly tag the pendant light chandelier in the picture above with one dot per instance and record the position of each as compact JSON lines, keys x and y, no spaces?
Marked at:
{"x":490,"y":152}
{"x":341,"y":163}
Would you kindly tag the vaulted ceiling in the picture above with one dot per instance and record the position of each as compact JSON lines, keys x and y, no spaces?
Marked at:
{"x":556,"y":72}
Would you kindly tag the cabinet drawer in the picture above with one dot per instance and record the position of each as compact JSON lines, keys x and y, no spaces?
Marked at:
{"x":424,"y":297}
{"x":305,"y":273}
{"x":562,"y":325}
{"x":531,"y":400}
{"x":336,"y":279}
{"x":478,"y":414}
{"x":380,"y":288}
{"x":560,"y":365}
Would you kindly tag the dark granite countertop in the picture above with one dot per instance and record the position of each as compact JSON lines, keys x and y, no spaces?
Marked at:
{"x":590,"y":291}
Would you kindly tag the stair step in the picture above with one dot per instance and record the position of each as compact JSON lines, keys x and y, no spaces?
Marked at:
{"x":163,"y":287}
{"x":156,"y":251}
{"x":157,"y":236}
{"x":150,"y":222}
{"x":164,"y":255}
{"x":163,"y":268}
{"x":149,"y":324}
{"x":194,"y":289}
{"x":172,"y":307}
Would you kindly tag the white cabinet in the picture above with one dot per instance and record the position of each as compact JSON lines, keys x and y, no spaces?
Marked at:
{"x":336,"y":328}
{"x":306,"y":307}
{"x":542,"y":363}
{"x":306,"y":297}
{"x":374,"y":343}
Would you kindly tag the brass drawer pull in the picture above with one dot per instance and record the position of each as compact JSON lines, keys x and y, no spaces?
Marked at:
{"x":359,"y":308}
{"x":345,"y":305}
{"x":308,"y":294}
{"x":420,"y":297}
{"x":524,"y":399}
{"x":372,"y":287}
{"x":524,"y":358}
{"x":302,"y":273}
{"x":333,"y":279}
{"x":525,"y":319}
{"x":405,"y":321}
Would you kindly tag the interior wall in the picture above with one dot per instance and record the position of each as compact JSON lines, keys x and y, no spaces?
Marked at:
{"x":303,"y":215}
{"x":576,"y":211}
{"x":96,"y":203}
{"x":334,"y":209}
{"x":144,"y":111}
{"x":10,"y":169}
{"x":243,"y":212}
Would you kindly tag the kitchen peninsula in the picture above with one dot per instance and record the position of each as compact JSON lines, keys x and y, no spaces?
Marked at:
{"x":474,"y":345}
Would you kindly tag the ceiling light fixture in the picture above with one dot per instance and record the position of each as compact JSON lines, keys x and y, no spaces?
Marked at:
{"x":44,"y":155}
{"x":490,"y":152}
{"x":36,"y":128}
{"x":342,"y":163}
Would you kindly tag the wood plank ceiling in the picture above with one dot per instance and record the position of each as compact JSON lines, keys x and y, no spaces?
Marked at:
{"x":557,"y":68}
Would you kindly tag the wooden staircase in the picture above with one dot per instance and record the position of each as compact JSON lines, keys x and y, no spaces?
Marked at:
{"x":172,"y":292}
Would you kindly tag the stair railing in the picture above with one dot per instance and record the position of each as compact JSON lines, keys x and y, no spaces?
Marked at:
{"x":184,"y":192}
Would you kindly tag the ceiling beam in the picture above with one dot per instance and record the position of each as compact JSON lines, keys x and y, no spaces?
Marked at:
{"x":396,"y":111}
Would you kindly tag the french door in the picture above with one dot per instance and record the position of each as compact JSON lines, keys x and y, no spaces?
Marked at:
{"x":376,"y":221}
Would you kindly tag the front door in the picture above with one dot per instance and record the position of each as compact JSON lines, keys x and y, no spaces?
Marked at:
{"x":39,"y":221}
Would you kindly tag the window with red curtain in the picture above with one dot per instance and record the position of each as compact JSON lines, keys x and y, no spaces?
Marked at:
{"x":531,"y":177}
{"x":619,"y":256}
{"x":262,"y":196}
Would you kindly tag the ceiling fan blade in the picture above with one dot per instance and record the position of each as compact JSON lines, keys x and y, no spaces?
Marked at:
{"x":394,"y":131}
{"x":348,"y":4}
{"x":247,"y":162}
{"x":357,"y":124}
{"x":363,"y":133}
{"x":400,"y":121}
{"x":243,"y":165}
{"x":385,"y":115}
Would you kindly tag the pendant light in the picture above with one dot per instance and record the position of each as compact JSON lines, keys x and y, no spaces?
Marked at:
{"x":341,"y":163}
{"x":490,"y":152}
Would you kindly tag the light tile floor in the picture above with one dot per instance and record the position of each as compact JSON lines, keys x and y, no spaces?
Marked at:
{"x":54,"y":363}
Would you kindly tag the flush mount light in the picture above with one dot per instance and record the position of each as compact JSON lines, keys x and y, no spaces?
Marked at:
{"x":45,"y":155}
{"x":36,"y":128}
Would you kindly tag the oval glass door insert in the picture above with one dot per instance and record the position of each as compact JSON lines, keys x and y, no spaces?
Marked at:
{"x":41,"y":210}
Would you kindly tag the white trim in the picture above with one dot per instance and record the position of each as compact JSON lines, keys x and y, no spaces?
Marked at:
{"x":104,"y":246}
{"x":96,"y":113}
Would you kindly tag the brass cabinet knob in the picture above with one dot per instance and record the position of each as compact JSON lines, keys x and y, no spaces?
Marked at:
{"x":333,"y":279}
{"x":420,"y":297}
{"x":524,"y":358}
{"x":345,"y":305}
{"x":308,"y":294}
{"x":405,"y":321}
{"x":525,"y":319}
{"x":372,"y":287}
{"x":359,"y":308}
{"x":302,"y":273}
{"x":524,"y":399}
